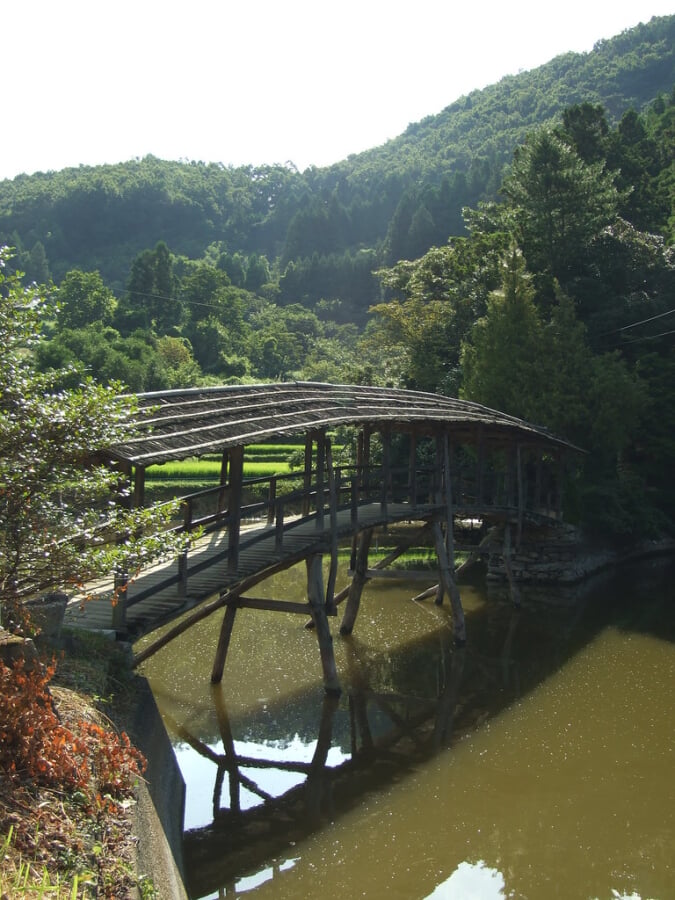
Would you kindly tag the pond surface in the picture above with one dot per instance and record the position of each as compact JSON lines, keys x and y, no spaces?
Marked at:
{"x":537,"y":762}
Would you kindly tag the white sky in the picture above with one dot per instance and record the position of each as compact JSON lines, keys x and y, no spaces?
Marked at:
{"x":262,"y":81}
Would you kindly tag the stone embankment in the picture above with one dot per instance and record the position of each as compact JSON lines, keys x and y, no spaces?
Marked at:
{"x":563,"y":556}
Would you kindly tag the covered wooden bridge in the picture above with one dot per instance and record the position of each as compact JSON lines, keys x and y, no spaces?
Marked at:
{"x":419,"y":457}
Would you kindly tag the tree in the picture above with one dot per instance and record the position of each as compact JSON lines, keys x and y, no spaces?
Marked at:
{"x":541,"y":368}
{"x":560,"y":203}
{"x":60,"y":524}
{"x":500,"y":360}
{"x":150,"y":300}
{"x":84,"y":300}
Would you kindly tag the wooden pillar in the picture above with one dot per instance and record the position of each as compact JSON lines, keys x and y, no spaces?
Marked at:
{"x":139,"y":487}
{"x":480,"y":466}
{"x":365,"y":460}
{"x":521,"y":494}
{"x":331,"y":608}
{"x":508,"y":477}
{"x":449,"y":514}
{"x":537,"y":482}
{"x":223,"y":643}
{"x":449,"y":586}
{"x":357,"y":488}
{"x":320,"y":477}
{"x":412,"y":469}
{"x":358,"y":580}
{"x":222,"y":493}
{"x":438,"y":500}
{"x":236,"y":488}
{"x":561,"y":478}
{"x":307,"y":478}
{"x":386,"y":469}
{"x":315,"y":595}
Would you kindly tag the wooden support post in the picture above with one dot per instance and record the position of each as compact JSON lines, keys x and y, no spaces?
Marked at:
{"x":508,"y":478}
{"x":449,"y":586}
{"x":271,"y":500}
{"x":139,"y":487}
{"x":307,"y":477}
{"x":279,"y":526}
{"x":354,"y":502}
{"x":521,"y":494}
{"x":480,"y":467}
{"x":386,"y":470}
{"x":316,"y":597}
{"x":449,"y":514}
{"x":412,"y":470}
{"x":320,"y":477}
{"x":222,"y":493}
{"x":331,"y":608}
{"x":365,"y":460}
{"x":183,"y":572}
{"x":357,"y":487}
{"x":236,"y":489}
{"x":561,"y":479}
{"x":223,"y":643}
{"x":358,"y":580}
{"x":183,"y":557}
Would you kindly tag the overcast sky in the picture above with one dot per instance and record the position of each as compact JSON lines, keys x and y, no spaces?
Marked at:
{"x":262,"y":81}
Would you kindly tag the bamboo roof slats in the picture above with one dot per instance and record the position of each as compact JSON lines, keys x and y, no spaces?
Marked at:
{"x":181,"y":423}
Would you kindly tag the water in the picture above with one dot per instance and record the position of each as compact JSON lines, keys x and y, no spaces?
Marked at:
{"x":537,"y":762}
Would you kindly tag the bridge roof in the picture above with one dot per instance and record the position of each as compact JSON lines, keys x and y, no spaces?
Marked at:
{"x":182,"y":423}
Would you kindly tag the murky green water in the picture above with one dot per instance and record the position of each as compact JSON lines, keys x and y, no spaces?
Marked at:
{"x":537,"y":762}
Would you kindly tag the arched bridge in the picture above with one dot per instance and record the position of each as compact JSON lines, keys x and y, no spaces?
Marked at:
{"x":419,"y":457}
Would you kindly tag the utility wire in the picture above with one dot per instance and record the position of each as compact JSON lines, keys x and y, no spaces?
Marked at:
{"x":635,"y":324}
{"x":649,"y":337}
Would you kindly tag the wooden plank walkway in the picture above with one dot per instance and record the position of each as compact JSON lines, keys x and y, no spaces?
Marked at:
{"x":154,"y":597}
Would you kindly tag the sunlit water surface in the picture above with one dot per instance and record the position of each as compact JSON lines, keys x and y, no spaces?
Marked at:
{"x":537,"y":762}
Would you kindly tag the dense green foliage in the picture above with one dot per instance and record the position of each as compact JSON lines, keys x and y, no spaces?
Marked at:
{"x":59,"y":522}
{"x":515,"y":249}
{"x":396,"y":200}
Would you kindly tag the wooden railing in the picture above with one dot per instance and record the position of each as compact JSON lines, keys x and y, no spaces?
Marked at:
{"x":345,"y":487}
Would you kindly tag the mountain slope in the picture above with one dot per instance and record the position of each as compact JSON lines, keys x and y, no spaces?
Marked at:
{"x":401,"y":197}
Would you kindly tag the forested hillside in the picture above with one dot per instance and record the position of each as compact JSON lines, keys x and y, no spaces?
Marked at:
{"x":516,"y":249}
{"x":392,"y":203}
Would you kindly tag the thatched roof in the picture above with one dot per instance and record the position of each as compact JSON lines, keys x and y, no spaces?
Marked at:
{"x":183,"y":423}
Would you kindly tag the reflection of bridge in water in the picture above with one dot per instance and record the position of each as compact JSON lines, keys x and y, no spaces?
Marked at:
{"x":398,"y":711}
{"x":461,"y":461}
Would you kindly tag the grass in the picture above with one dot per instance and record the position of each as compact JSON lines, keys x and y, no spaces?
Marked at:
{"x":21,"y":877}
{"x":260,"y":461}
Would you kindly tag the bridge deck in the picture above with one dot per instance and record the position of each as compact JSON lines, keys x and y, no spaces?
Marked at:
{"x":154,"y":597}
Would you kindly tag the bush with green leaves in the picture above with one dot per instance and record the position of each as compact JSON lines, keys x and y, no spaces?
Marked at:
{"x":61,"y":522}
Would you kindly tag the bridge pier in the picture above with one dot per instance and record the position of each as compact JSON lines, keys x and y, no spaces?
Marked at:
{"x":358,"y":581}
{"x":317,"y":602}
{"x":449,"y":586}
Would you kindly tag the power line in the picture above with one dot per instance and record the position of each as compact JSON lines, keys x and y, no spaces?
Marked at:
{"x":649,"y":337}
{"x":635,"y":324}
